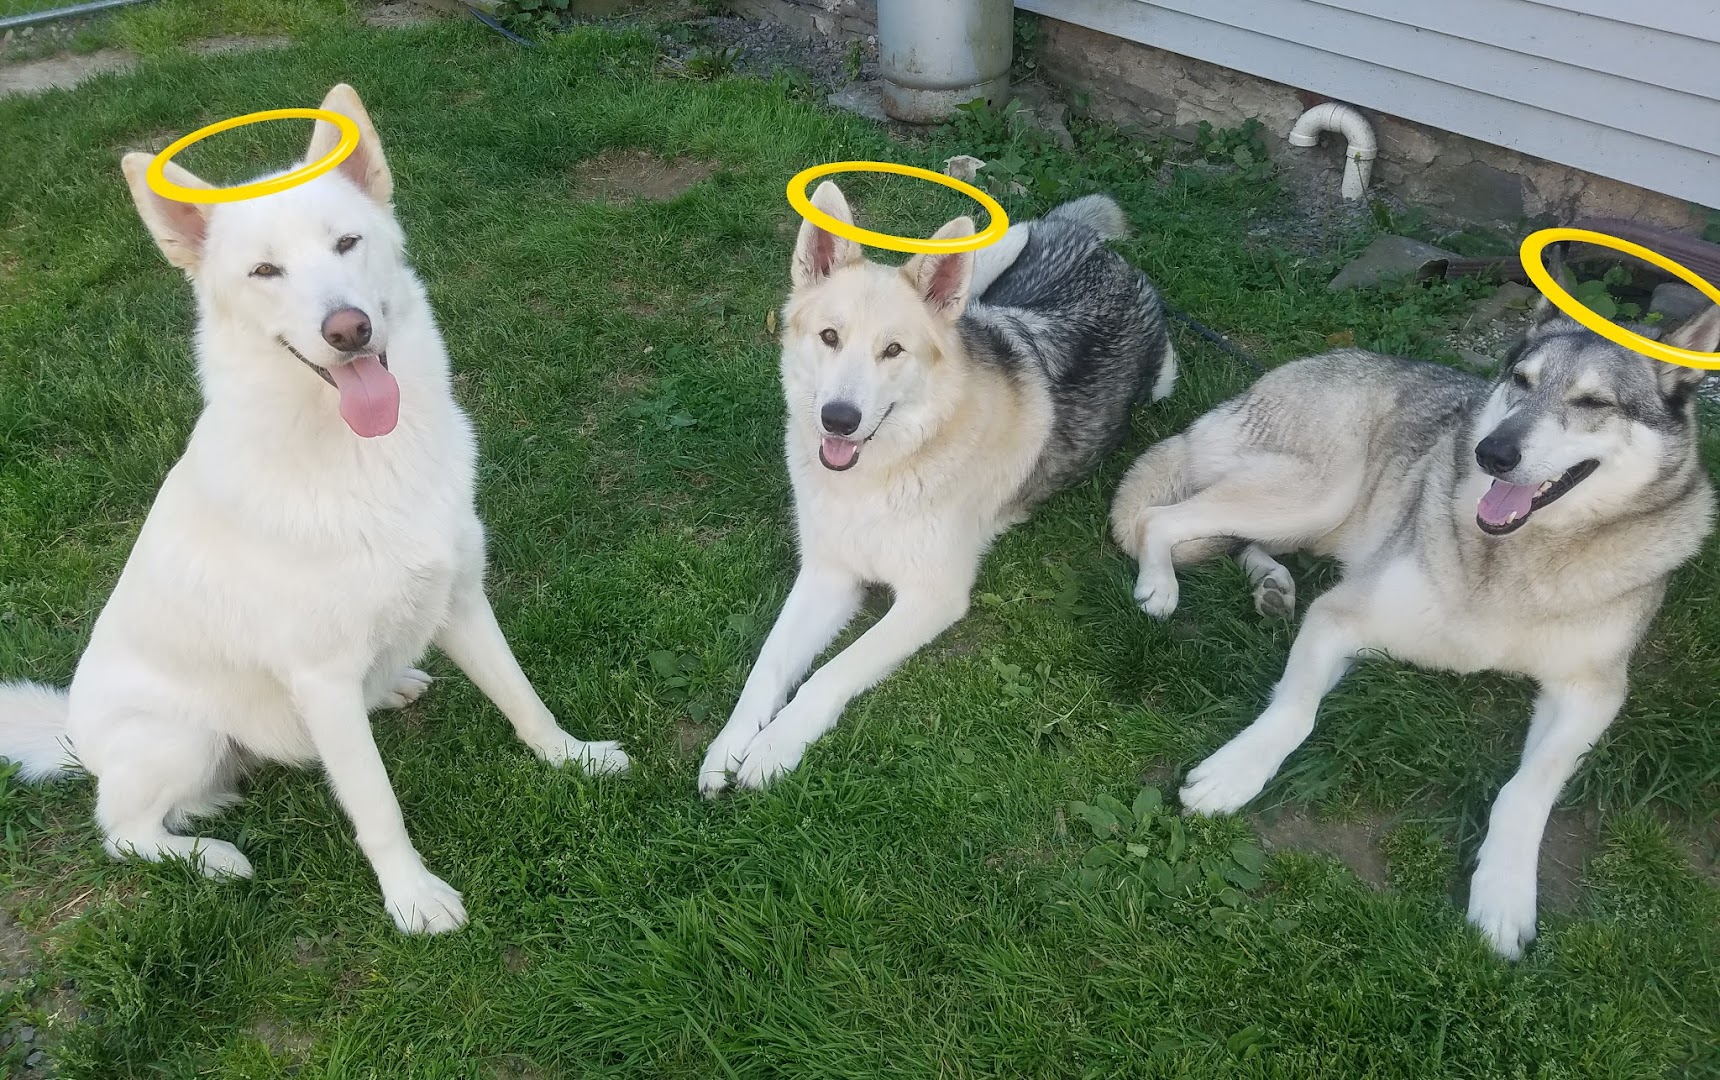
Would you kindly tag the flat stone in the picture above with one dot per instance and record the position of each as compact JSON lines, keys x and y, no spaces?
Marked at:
{"x":1509,"y":297}
{"x":1675,"y":300}
{"x":1386,"y":258}
{"x":1046,"y":113}
{"x":861,"y":98}
{"x":1479,"y":360}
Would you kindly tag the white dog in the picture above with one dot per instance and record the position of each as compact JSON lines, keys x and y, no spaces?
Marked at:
{"x":317,"y":536}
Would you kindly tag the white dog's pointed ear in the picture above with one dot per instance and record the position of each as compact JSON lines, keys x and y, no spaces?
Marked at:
{"x":365,"y":166}
{"x":818,"y":254}
{"x":943,"y":281}
{"x":179,"y":228}
{"x":1699,"y":333}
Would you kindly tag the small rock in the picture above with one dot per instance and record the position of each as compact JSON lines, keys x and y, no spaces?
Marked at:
{"x":1675,"y":300}
{"x":1388,"y":257}
{"x":36,"y":1058}
{"x":861,"y":98}
{"x":26,"y":1034}
{"x":1046,"y":113}
{"x":1478,"y":359}
{"x":1508,"y":297}
{"x":963,"y":167}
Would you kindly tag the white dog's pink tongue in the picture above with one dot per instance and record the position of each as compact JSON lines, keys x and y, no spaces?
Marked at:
{"x":839,"y":453}
{"x":1504,"y":501}
{"x":369,"y":396}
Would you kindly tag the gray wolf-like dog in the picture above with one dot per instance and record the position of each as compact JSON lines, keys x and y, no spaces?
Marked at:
{"x":921,"y":426}
{"x":1525,"y":526}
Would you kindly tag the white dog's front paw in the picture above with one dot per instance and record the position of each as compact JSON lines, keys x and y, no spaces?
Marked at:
{"x":780,"y":747}
{"x":1156,"y":591}
{"x":422,"y":903}
{"x":219,"y":859}
{"x":1225,"y":782}
{"x":729,"y":748}
{"x":408,"y":687}
{"x":773,"y":753}
{"x":596,"y":758}
{"x":1502,"y":905}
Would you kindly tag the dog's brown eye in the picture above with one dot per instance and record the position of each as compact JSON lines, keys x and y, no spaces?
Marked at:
{"x":345,"y":244}
{"x":1520,"y":379}
{"x":828,"y":336}
{"x":1589,"y":401}
{"x":892,"y":351}
{"x":265,"y":270}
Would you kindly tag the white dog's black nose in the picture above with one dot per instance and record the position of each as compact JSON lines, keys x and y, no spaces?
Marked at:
{"x":347,"y":329}
{"x":1498,"y":454}
{"x":840,"y":418}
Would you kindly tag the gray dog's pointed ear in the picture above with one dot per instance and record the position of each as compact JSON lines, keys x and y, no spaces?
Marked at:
{"x":818,"y":254}
{"x":1699,"y":333}
{"x":1545,"y":309}
{"x":179,"y":228}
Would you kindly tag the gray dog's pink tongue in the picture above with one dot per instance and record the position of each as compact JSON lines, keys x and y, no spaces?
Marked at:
{"x":369,"y":396}
{"x":1503,"y":501}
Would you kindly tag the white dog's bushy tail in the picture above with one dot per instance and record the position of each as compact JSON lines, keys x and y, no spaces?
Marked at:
{"x":33,"y":730}
{"x":1097,"y":212}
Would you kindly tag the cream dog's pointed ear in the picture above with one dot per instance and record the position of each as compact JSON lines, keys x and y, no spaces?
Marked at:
{"x":817,"y":254}
{"x":366,"y":166}
{"x":943,"y":281}
{"x":179,"y":228}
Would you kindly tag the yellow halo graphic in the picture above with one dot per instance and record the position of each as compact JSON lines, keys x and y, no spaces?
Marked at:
{"x":991,"y":234}
{"x":156,"y":175}
{"x":1552,"y":290}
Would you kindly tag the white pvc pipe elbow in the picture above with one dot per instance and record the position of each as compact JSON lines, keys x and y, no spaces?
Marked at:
{"x":1358,"y":134}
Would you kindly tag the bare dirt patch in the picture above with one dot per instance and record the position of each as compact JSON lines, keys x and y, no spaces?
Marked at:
{"x":61,"y":72}
{"x":1356,"y":844}
{"x":394,"y":14}
{"x":616,"y":176}
{"x":1570,"y":839}
{"x":283,"y":1041}
{"x":217,"y":45}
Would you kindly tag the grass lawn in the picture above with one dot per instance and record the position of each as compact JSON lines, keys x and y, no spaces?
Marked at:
{"x":926,"y":896}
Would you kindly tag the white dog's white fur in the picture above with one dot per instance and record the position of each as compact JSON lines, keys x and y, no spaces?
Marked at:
{"x":290,"y":572}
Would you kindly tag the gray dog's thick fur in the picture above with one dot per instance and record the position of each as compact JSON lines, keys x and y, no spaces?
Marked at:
{"x":1419,"y":479}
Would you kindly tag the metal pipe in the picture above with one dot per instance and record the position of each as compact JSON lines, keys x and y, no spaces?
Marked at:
{"x":934,"y":55}
{"x":90,"y":8}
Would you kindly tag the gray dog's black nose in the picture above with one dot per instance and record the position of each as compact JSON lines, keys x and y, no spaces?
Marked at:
{"x":347,"y":329}
{"x":840,"y":418}
{"x":1498,"y":455}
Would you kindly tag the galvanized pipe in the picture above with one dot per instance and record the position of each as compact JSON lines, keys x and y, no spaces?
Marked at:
{"x":936,"y":54}
{"x":72,"y":12}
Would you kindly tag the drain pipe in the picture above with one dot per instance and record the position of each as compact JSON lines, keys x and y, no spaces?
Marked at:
{"x":934,"y":55}
{"x":1354,"y":127}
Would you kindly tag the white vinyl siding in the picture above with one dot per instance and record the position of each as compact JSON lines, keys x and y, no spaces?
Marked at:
{"x":1566,"y":80}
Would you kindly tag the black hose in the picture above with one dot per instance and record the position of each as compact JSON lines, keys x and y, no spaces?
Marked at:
{"x":500,"y":29}
{"x":1214,"y":336}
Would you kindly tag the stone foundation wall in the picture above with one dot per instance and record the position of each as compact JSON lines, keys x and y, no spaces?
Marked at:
{"x":1456,"y":177}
